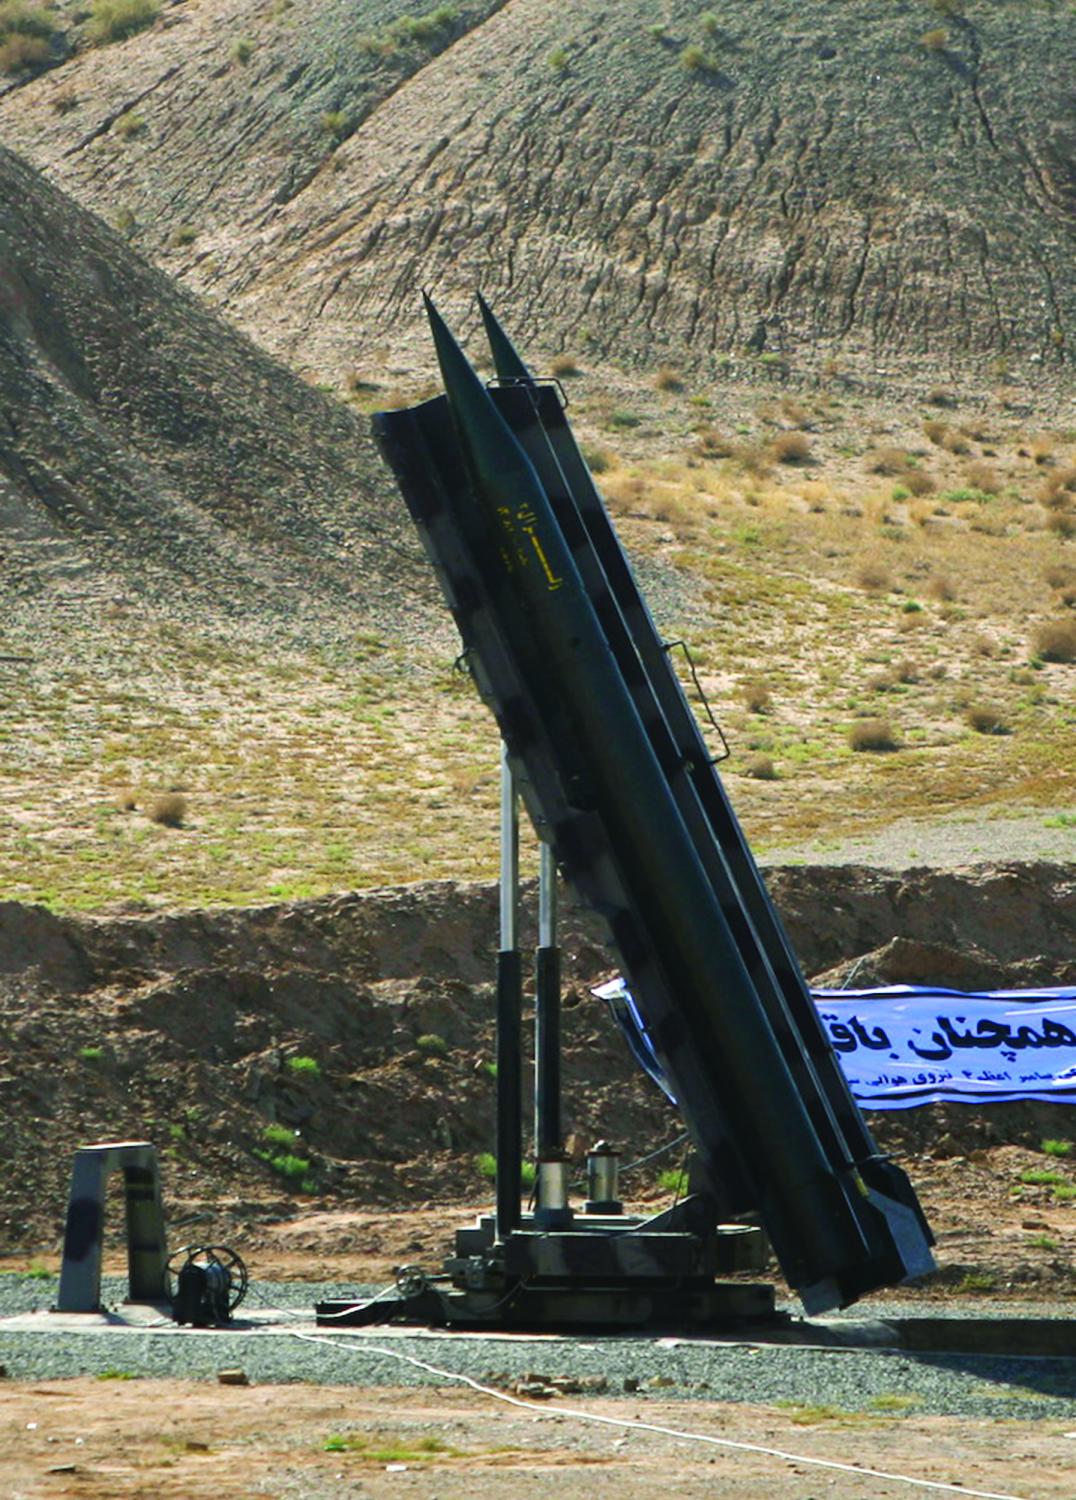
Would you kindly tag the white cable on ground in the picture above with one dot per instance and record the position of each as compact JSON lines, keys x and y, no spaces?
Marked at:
{"x":636,"y":1424}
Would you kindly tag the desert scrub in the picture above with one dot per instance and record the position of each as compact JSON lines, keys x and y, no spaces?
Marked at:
{"x":761,"y":768}
{"x":432,"y":1044}
{"x":696,"y":59}
{"x":757,"y":697}
{"x":873,"y":734}
{"x":1056,"y":641}
{"x":115,"y":20}
{"x":668,"y":379}
{"x":337,"y":124}
{"x":26,"y":33}
{"x":984,"y":718}
{"x":169,"y":810}
{"x":183,"y":234}
{"x":241,"y":51}
{"x":791,"y":448}
{"x":129,"y":125}
{"x":1052,"y":1147}
{"x":558,"y":59}
{"x":564,"y":364}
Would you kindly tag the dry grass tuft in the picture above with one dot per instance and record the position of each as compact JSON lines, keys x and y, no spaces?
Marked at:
{"x":1056,"y":640}
{"x":873,"y":734}
{"x":126,"y":799}
{"x":754,"y":459}
{"x":942,"y":588}
{"x":169,"y":810}
{"x":564,"y":364}
{"x":874,"y":576}
{"x":668,"y":379}
{"x":890,"y":461}
{"x":762,"y":768}
{"x":984,"y":718}
{"x":710,"y":443}
{"x":918,"y":482}
{"x":982,"y":477}
{"x":1060,"y":576}
{"x":955,"y":442}
{"x":941,"y":395}
{"x":793,"y":412}
{"x":756,"y":697}
{"x":599,"y":460}
{"x":935,"y":431}
{"x":791,"y":448}
{"x":1063,"y":522}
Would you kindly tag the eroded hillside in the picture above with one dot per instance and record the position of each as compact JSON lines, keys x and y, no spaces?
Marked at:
{"x":151,"y":456}
{"x":889,"y":184}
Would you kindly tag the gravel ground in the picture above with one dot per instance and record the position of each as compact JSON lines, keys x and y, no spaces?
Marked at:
{"x":666,"y":1368}
{"x":944,"y":842}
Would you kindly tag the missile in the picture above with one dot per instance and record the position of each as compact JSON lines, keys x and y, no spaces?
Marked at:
{"x":720,"y":1051}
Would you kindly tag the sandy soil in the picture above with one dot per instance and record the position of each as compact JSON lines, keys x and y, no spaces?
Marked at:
{"x":89,"y":1438}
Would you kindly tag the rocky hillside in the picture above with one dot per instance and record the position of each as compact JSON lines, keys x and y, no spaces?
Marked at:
{"x":149,"y":453}
{"x":888,"y":184}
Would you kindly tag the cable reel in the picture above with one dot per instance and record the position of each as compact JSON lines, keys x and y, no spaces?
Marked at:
{"x":206,"y":1284}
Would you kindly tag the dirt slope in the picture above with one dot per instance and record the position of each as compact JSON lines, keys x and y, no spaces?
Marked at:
{"x":148,"y":450}
{"x":181,"y":1029}
{"x":889,"y":183}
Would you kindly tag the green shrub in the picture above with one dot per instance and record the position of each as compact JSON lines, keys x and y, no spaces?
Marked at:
{"x":128,"y":125}
{"x":673,"y":1180}
{"x":278,"y":1135}
{"x":486,"y":1163}
{"x":1056,"y":1148}
{"x":1037,"y":1177}
{"x":91,"y":1054}
{"x":435,"y":1045}
{"x":241,"y":51}
{"x":289,"y":1166}
{"x":307,"y":1067}
{"x":558,"y":59}
{"x":696,"y":60}
{"x":337,"y":123}
{"x":115,"y":20}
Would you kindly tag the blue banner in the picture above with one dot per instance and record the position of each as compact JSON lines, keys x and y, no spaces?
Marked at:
{"x":909,"y":1044}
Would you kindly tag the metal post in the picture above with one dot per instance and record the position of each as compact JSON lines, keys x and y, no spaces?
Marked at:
{"x":509,"y":1015}
{"x":547,"y":1121}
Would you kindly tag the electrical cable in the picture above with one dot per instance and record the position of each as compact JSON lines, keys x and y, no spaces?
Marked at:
{"x":635,"y":1424}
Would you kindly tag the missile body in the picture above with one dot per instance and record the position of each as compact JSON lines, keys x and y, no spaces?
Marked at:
{"x":565,"y":655}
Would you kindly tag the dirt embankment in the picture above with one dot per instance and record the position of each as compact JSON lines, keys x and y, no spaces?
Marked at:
{"x":311,"y":1057}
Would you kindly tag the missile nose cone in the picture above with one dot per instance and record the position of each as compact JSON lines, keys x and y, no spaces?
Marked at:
{"x":488,"y":443}
{"x":506,"y":360}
